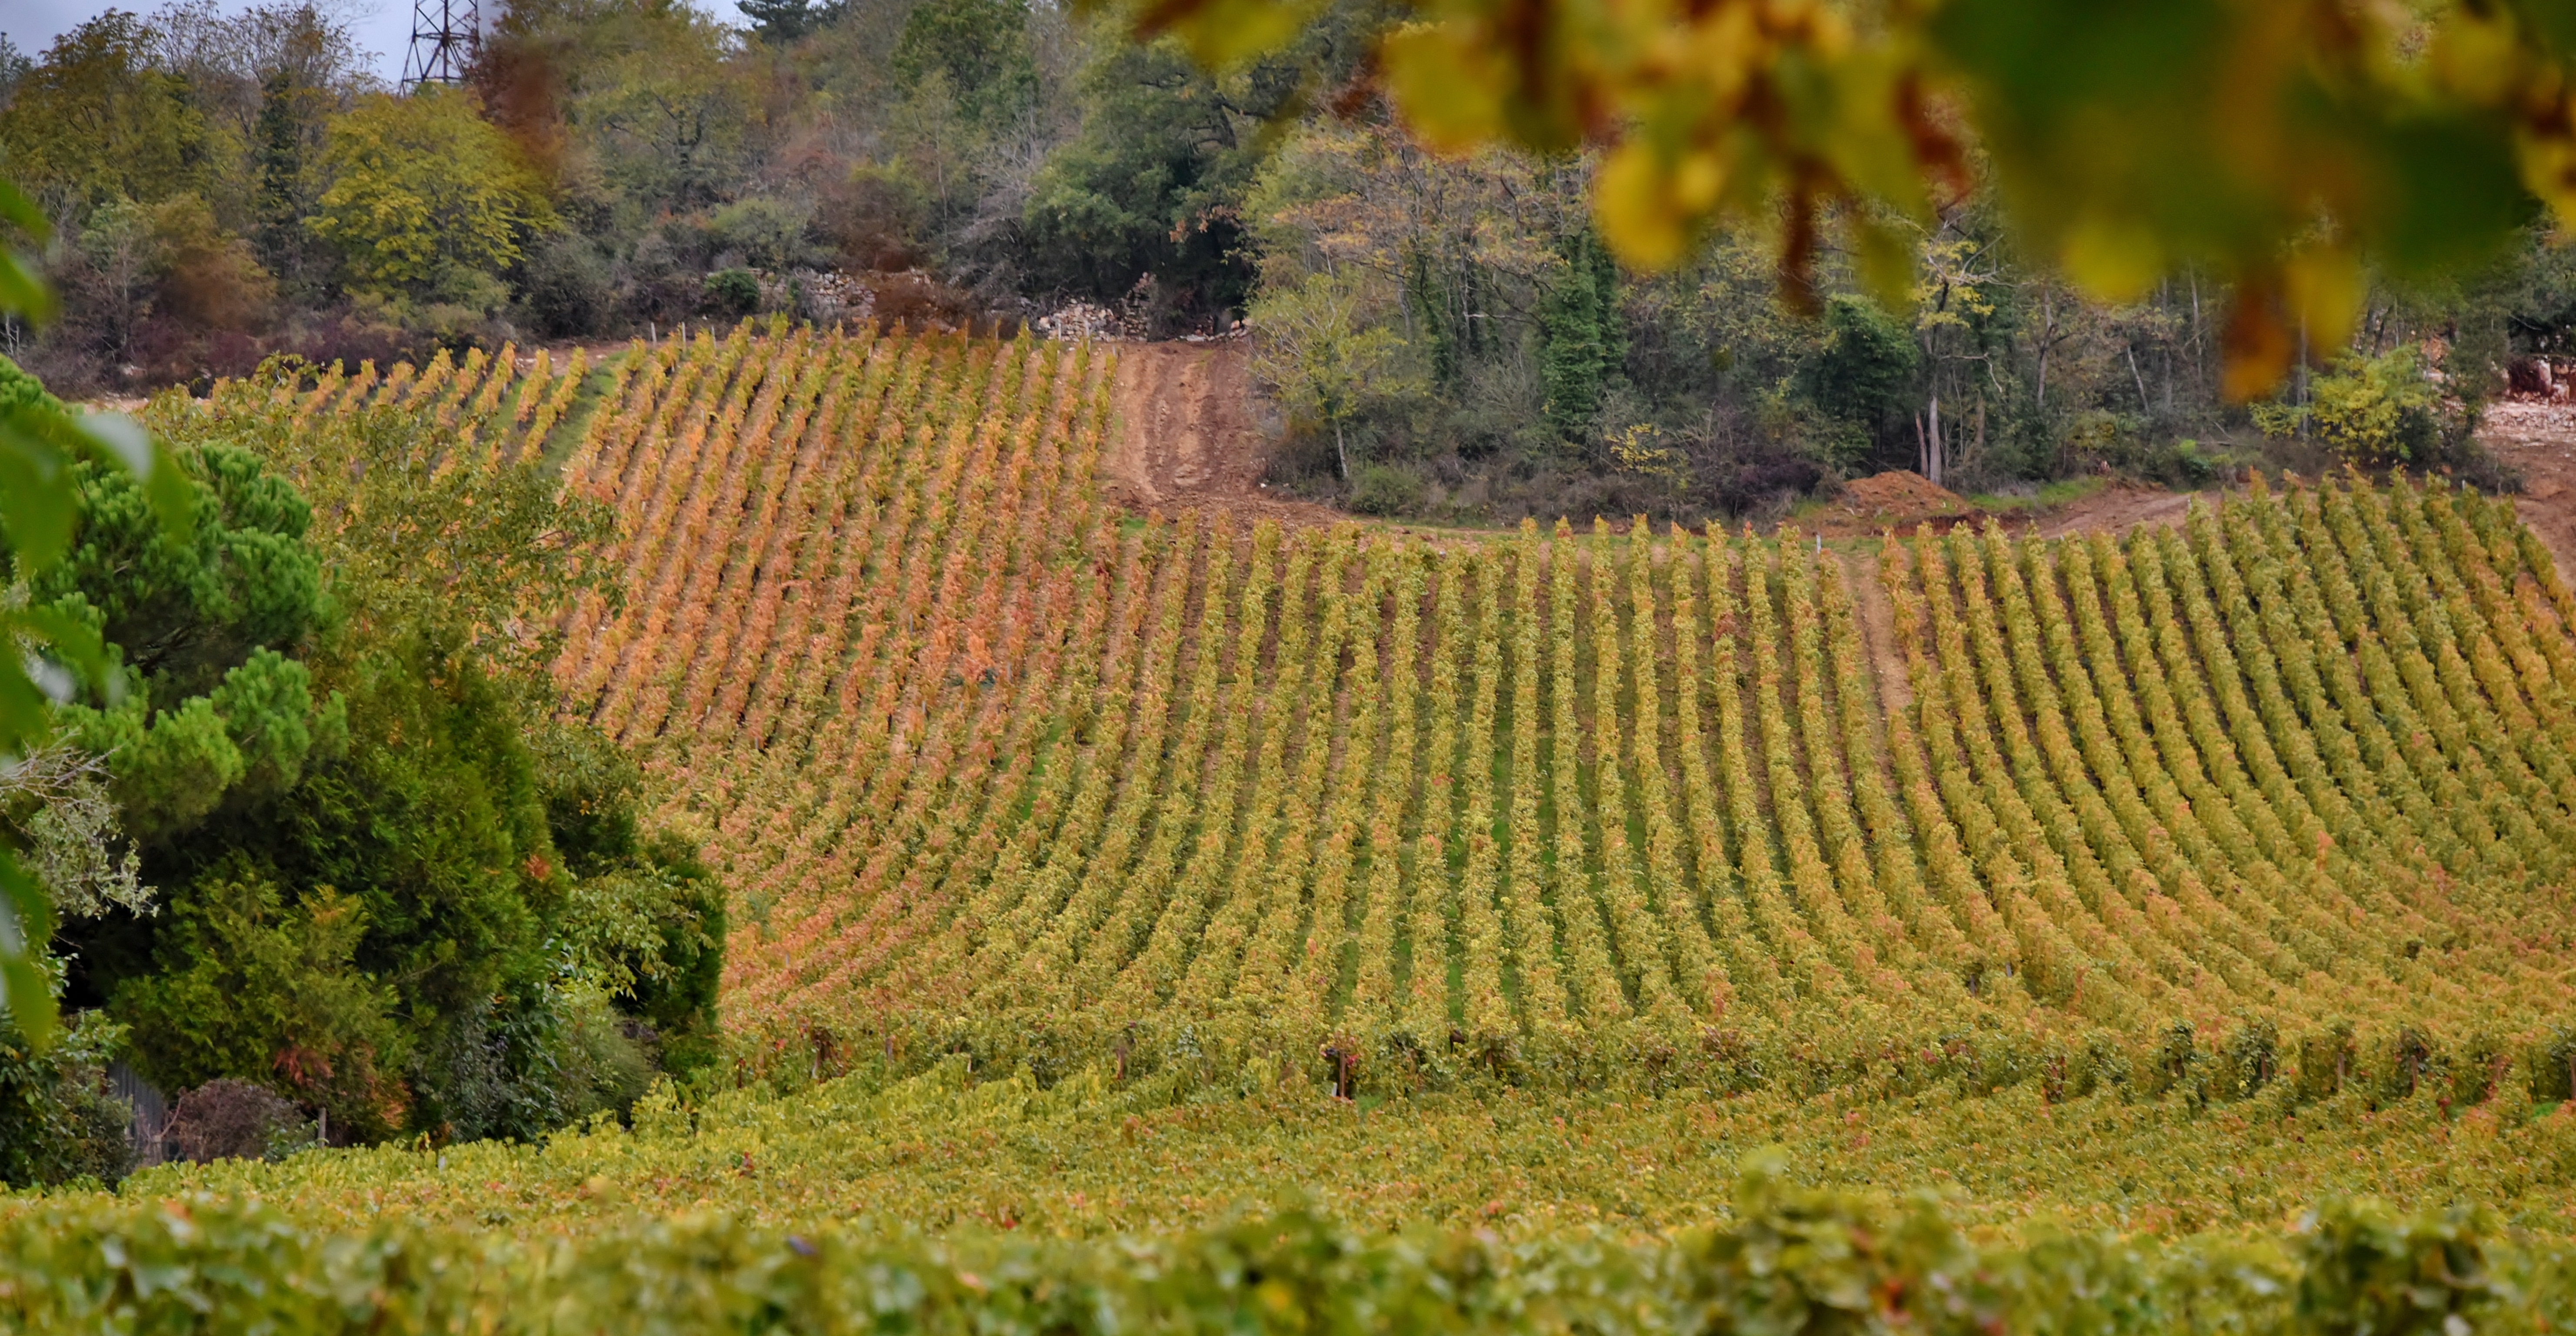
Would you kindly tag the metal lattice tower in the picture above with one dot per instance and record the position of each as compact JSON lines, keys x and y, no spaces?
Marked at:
{"x":445,"y":34}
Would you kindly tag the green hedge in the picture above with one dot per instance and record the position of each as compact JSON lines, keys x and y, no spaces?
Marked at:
{"x":1786,"y":1260}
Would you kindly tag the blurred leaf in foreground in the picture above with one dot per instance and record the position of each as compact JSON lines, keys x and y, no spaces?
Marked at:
{"x":2284,"y":145}
{"x":48,"y":656}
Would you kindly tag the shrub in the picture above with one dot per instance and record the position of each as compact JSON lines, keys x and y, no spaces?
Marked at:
{"x":229,"y":1119}
{"x":564,"y":290}
{"x":2190,"y":465}
{"x":58,"y":1122}
{"x":875,"y":217}
{"x":733,"y":292}
{"x":250,"y":983}
{"x":523,"y":1068}
{"x":2370,"y":410}
{"x":1740,"y":483}
{"x":767,"y":232}
{"x":1386,"y":489}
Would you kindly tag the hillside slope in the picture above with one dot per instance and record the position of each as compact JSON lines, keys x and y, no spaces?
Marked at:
{"x":1186,"y":435}
{"x":988,"y":769}
{"x":2282,"y":784}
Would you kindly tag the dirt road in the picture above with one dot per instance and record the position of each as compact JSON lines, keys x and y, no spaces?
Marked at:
{"x":1901,"y":501}
{"x":1877,"y":618}
{"x":2540,"y":440}
{"x":1187,"y":439}
{"x":2116,"y":510}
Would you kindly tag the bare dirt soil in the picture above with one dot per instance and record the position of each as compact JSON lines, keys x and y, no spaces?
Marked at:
{"x":2538,"y":438}
{"x":1186,"y":437}
{"x":1894,"y":500}
{"x":1902,"y":501}
{"x":2116,"y":510}
{"x":1877,"y":618}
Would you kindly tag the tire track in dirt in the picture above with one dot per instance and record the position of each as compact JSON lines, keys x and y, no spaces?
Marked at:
{"x":1877,"y":618}
{"x":2115,"y":511}
{"x":1187,"y":437}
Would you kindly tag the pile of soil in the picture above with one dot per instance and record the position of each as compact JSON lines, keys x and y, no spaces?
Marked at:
{"x":1895,"y":500}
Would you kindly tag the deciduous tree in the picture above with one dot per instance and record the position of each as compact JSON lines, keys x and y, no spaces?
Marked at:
{"x":98,"y":119}
{"x":426,"y":198}
{"x":1322,"y":357}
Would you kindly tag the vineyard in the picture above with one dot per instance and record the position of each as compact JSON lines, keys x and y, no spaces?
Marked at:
{"x":1093,"y":878}
{"x":489,"y":407}
{"x":2281,"y":795}
{"x":993,"y":772}
{"x":1014,"y":767}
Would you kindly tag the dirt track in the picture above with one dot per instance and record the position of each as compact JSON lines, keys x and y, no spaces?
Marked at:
{"x":2540,"y":440}
{"x":1877,"y":618}
{"x":1186,"y":437}
{"x":1901,"y":501}
{"x":2117,"y":510}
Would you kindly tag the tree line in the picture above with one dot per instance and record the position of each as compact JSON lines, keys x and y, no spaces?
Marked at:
{"x":221,"y":187}
{"x":1446,"y":334}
